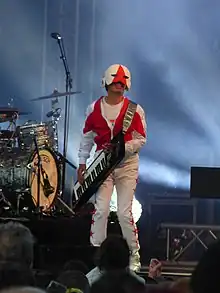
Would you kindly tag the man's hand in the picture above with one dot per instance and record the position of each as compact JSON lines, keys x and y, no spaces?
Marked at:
{"x":154,"y":268}
{"x":108,"y":147}
{"x":80,"y":173}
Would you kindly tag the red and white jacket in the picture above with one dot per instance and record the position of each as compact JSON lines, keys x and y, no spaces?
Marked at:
{"x":96,"y":130}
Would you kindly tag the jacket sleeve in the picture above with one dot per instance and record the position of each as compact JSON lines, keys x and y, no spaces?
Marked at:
{"x":139,"y":134}
{"x":87,"y":138}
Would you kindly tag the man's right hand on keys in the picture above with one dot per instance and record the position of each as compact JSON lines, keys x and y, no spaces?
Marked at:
{"x":81,"y":172}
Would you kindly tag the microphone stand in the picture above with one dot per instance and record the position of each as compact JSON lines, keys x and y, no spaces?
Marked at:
{"x":39,"y":168}
{"x":66,"y":116}
{"x":65,"y":160}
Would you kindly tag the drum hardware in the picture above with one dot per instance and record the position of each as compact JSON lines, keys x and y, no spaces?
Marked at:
{"x":3,"y":198}
{"x":19,"y":186}
{"x":55,"y":114}
{"x":56,"y":94}
{"x":20,"y":196}
{"x":6,"y":203}
{"x":22,"y":205}
{"x":10,"y":114}
{"x":63,"y":160}
{"x":40,"y":172}
{"x":59,"y":199}
{"x":43,"y":131}
{"x":49,"y":182}
{"x":8,"y":137}
{"x":40,"y":182}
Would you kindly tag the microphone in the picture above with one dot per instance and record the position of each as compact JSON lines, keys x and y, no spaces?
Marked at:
{"x":50,"y":114}
{"x":47,"y":188}
{"x":56,"y":36}
{"x":55,"y":113}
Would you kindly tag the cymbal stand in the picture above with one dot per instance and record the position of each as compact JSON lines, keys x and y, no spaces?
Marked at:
{"x":12,"y":123}
{"x":6,"y":201}
{"x":67,"y":102}
{"x":56,"y":113}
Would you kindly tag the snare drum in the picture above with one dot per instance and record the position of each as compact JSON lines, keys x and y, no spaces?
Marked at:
{"x":43,"y":132}
{"x":18,"y":174}
{"x":7,"y":139}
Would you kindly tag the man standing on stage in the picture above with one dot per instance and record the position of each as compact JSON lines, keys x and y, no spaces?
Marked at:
{"x":104,"y":120}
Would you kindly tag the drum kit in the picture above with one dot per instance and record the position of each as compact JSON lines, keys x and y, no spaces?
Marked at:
{"x":30,"y":164}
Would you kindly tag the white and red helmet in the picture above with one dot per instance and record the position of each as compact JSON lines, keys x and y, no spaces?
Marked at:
{"x":117,"y":73}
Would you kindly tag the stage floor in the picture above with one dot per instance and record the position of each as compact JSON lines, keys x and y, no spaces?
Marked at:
{"x":60,"y":239}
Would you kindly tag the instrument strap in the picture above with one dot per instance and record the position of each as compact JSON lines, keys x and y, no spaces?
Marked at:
{"x":129,"y":115}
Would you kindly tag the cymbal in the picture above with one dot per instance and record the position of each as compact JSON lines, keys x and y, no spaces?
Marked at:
{"x":24,"y":113}
{"x":7,"y":113}
{"x":7,"y":110}
{"x":55,"y":94}
{"x":10,"y":111}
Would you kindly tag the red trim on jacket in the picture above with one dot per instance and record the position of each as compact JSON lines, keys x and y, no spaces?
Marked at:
{"x":96,"y":122}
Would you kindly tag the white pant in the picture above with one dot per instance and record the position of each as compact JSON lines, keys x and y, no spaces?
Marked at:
{"x":125,"y":180}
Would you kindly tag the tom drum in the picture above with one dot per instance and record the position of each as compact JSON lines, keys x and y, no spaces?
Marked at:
{"x":43,"y":132}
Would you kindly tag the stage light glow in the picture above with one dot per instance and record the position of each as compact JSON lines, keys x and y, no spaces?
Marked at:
{"x":158,"y":173}
{"x":136,"y":206}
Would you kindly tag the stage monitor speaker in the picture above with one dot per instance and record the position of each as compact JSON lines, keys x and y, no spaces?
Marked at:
{"x":205,"y":182}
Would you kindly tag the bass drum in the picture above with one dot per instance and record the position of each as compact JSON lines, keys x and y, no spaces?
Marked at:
{"x":49,"y":188}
